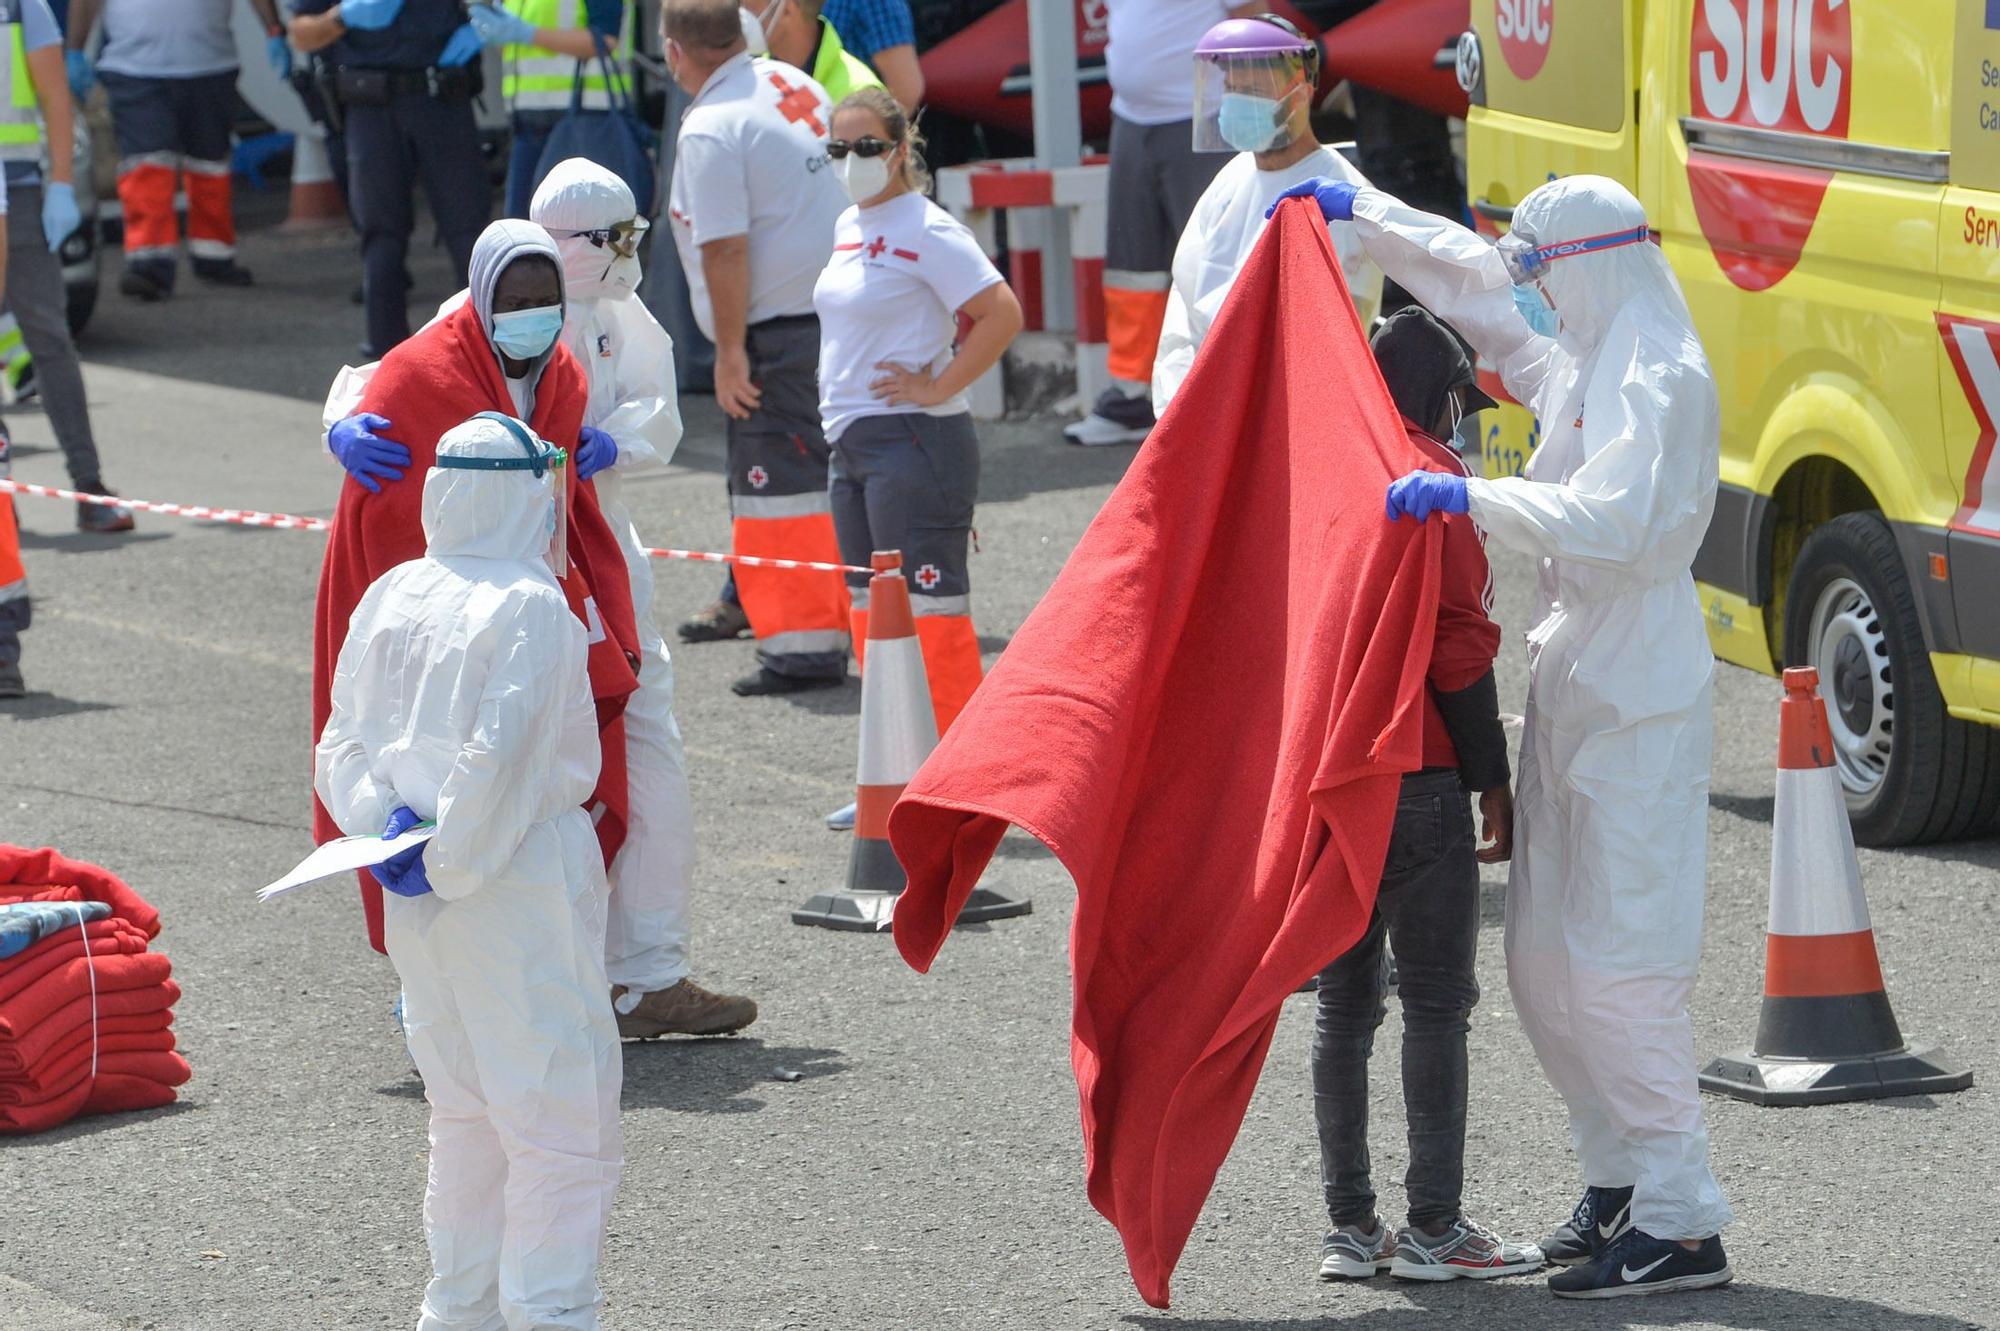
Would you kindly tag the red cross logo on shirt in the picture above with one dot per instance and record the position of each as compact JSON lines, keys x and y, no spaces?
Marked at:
{"x":876,"y":246}
{"x":759,"y":478}
{"x":798,"y":105}
{"x":929,"y":577}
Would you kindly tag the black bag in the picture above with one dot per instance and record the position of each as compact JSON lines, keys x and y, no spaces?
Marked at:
{"x":616,"y":139}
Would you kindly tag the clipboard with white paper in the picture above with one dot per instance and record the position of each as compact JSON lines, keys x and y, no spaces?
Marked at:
{"x":345,"y":856}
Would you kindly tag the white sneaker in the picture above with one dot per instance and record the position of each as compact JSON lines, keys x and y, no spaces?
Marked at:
{"x":1115,"y":419}
{"x":1353,"y":1253}
{"x":841,"y":820}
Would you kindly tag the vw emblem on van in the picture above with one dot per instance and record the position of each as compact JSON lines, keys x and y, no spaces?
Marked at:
{"x":1471,"y":67}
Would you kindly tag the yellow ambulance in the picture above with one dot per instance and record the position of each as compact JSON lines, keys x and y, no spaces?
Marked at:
{"x":1824,"y":176}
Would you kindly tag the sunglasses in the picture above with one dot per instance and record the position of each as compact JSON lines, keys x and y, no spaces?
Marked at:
{"x":622,"y":240}
{"x":865,"y":147}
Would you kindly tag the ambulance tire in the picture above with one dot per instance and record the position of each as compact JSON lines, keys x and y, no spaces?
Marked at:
{"x":1941,"y":780}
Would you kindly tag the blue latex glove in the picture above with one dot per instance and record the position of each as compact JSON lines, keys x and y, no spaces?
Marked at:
{"x":82,"y":74}
{"x":280,"y":52}
{"x":60,"y":215}
{"x":403,"y":874}
{"x":1422,"y":493}
{"x":595,"y":451}
{"x":463,"y":48}
{"x":1335,"y":197}
{"x":369,"y":15}
{"x":498,"y":27}
{"x":366,"y":454}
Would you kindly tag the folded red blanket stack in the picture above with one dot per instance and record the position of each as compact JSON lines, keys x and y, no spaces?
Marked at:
{"x":86,"y":1014}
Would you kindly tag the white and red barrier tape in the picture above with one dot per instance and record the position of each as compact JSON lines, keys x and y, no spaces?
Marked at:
{"x":287,"y":522}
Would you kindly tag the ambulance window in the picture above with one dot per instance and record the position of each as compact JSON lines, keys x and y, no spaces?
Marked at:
{"x":1975,"y":98}
{"x":1556,"y":60}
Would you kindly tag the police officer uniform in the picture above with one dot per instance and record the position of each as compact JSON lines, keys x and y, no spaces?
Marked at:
{"x":404,"y":118}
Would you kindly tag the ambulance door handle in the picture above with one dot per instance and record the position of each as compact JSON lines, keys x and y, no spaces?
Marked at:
{"x":1493,"y":212}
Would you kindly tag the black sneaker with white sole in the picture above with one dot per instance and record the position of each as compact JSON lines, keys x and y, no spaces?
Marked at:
{"x":1114,"y":419}
{"x":1639,"y":1264}
{"x":1600,"y":1219}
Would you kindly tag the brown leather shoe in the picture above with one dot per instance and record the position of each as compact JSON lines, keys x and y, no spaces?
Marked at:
{"x":722,"y":622}
{"x":685,"y":1009}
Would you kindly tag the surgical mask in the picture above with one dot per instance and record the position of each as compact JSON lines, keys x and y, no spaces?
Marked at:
{"x":526,"y":334}
{"x":1249,"y":123}
{"x":1535,"y":309}
{"x":862,"y":177}
{"x":622,"y":278}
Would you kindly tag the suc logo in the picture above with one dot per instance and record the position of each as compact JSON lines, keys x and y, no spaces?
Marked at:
{"x":1524,"y":27}
{"x":1766,"y":64}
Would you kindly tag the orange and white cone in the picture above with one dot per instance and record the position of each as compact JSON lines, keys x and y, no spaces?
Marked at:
{"x":316,"y":202}
{"x":898,"y":732}
{"x":1826,"y":1033}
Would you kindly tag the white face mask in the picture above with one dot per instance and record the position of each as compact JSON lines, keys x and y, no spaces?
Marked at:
{"x":863,"y":177}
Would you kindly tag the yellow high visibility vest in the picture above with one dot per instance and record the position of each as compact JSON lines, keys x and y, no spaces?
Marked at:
{"x":20,"y":118}
{"x":538,"y":80}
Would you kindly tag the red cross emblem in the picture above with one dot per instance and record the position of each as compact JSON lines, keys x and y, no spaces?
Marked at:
{"x":876,"y":246}
{"x":929,"y":577}
{"x":798,"y":105}
{"x":759,"y":478}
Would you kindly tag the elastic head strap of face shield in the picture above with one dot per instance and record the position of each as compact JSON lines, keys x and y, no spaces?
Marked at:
{"x":537,"y":456}
{"x":1527,"y":261}
{"x":1310,"y":57}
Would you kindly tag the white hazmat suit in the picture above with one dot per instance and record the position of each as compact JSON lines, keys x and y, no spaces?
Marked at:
{"x":461,"y":692}
{"x":1227,"y":223}
{"x":1604,"y":906}
{"x":628,"y":360}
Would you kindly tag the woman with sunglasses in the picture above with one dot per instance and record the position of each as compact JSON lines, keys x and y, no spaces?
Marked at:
{"x":1585,"y":322}
{"x":905,"y":472}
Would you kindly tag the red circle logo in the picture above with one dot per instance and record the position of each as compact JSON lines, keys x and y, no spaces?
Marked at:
{"x":1765,"y":64}
{"x":1524,"y":27}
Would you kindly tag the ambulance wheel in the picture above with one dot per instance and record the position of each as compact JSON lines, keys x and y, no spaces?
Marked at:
{"x":1911,"y":771}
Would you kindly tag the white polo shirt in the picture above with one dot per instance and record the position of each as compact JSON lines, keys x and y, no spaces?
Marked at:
{"x":1149,"y":56}
{"x":751,"y":161}
{"x":900,"y":273}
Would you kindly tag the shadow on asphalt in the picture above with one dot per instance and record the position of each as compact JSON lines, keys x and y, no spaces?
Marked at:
{"x":718,"y":1076}
{"x":49,"y":707}
{"x":1504,"y":1304}
{"x":843,"y":701}
{"x":78,"y":1128}
{"x":1984,"y":853}
{"x":88,"y":543}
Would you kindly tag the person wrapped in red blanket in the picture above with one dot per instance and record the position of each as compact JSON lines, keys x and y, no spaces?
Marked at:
{"x":451,"y":371}
{"x":1207,"y":719}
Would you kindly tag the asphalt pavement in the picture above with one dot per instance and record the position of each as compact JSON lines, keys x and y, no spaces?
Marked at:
{"x":881,"y":1150}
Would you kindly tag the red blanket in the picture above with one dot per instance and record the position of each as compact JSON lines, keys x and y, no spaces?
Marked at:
{"x":23,"y":1054}
{"x":1206,"y":719}
{"x":25,"y":875}
{"x":69,"y":1062}
{"x":124,"y":985}
{"x":443,"y":376}
{"x":107,"y":939}
{"x":124,"y":1082}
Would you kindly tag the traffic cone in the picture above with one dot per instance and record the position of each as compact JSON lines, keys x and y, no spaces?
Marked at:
{"x":1827,"y":1033}
{"x":898,"y":731}
{"x":316,"y":202}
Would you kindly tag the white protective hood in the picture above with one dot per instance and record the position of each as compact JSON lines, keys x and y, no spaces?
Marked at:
{"x":487,"y":514}
{"x":579,"y":195}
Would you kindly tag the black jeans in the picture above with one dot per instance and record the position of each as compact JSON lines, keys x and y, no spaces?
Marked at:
{"x":1428,"y":908}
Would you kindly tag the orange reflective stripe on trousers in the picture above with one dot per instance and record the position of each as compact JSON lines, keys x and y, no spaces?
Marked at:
{"x":952,"y":666}
{"x":791,"y":601}
{"x":1132,"y":323}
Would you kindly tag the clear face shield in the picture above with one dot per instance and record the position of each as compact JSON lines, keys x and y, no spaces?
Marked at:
{"x":539,"y":457}
{"x":1250,"y":101}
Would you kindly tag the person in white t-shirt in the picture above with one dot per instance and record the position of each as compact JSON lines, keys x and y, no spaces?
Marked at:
{"x":905,"y":472}
{"x":1254,"y":85}
{"x":752,"y":205}
{"x":1156,"y":176}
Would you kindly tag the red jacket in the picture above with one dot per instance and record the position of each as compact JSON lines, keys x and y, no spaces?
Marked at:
{"x":1467,"y":637}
